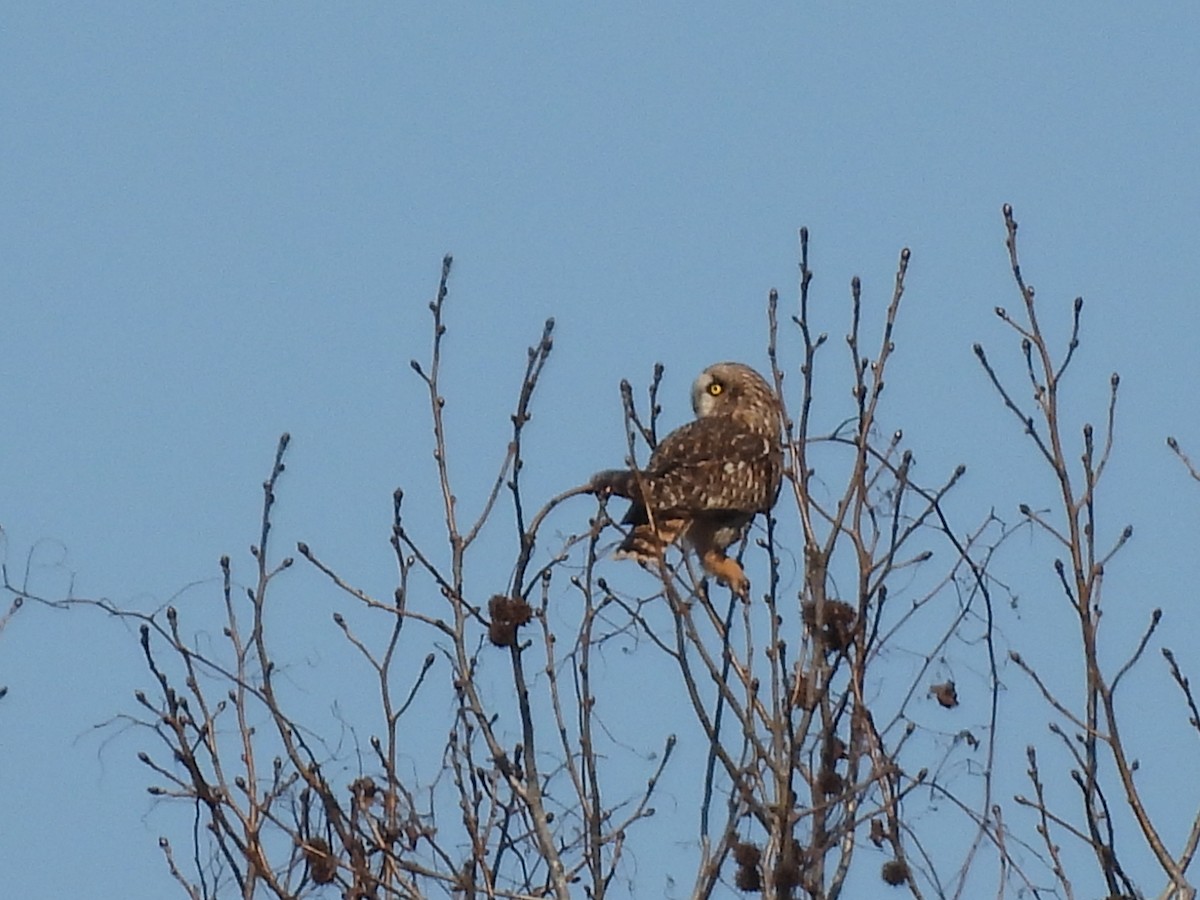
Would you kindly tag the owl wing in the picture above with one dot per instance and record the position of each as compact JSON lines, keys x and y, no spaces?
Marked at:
{"x":711,"y":464}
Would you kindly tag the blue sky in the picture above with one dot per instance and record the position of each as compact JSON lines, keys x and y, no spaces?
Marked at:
{"x":221,"y":222}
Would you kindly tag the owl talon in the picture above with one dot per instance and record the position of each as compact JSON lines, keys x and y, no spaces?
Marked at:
{"x":740,"y":587}
{"x":728,"y":572}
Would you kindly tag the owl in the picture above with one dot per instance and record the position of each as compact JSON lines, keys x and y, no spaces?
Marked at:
{"x":706,"y":481}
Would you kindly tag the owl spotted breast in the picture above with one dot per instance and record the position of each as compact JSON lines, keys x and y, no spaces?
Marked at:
{"x":706,"y":481}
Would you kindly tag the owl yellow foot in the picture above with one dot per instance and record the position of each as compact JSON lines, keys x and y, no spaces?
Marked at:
{"x":728,"y":571}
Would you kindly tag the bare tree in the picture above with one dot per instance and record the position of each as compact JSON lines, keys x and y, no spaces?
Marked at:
{"x":1111,"y":813}
{"x":496,"y":764}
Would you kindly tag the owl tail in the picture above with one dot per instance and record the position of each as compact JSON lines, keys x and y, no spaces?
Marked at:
{"x":643,"y":544}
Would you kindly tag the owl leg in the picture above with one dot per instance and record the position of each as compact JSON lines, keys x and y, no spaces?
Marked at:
{"x":727,"y":570}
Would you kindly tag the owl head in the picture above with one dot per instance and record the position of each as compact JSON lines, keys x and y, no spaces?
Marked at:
{"x":732,"y":389}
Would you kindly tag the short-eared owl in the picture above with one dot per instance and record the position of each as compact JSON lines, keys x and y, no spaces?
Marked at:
{"x":707,"y":480}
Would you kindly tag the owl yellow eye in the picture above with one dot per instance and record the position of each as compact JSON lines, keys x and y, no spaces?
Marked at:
{"x":715,"y":388}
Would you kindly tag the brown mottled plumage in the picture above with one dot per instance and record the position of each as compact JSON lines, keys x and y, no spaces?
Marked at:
{"x":706,"y":481}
